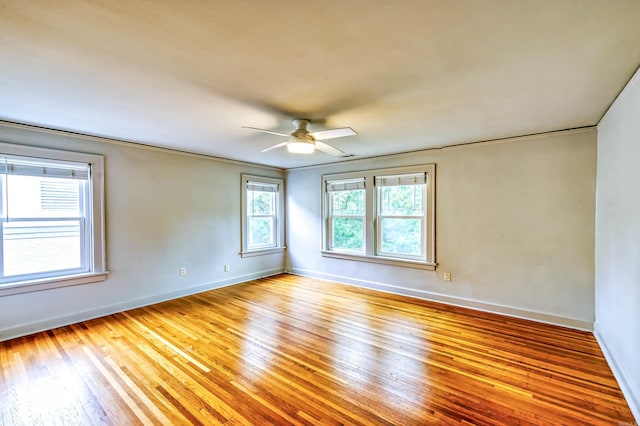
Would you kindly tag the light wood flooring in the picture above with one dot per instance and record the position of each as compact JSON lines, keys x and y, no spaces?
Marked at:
{"x":295,"y":350}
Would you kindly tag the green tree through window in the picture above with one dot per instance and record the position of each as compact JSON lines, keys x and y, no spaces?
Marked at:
{"x":401,"y":213}
{"x":348,"y":220}
{"x":347,"y":217}
{"x":261,"y":212}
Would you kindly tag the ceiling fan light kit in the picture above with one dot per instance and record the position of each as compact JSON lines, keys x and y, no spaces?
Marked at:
{"x":301,"y":141}
{"x":296,"y":147}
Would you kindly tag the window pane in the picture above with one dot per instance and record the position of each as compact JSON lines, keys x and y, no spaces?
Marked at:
{"x":261,"y":203}
{"x":348,"y":233}
{"x":348,"y":203}
{"x":261,"y":232}
{"x":34,"y":247}
{"x":401,"y":236}
{"x":38,"y":197}
{"x":403,"y":200}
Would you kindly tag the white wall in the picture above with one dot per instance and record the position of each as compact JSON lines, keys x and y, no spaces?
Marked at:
{"x":164,"y":210}
{"x":515,"y":227}
{"x":618,"y":240}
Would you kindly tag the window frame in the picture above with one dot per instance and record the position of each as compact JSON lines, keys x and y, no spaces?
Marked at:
{"x":279,"y":246}
{"x":94,"y":244}
{"x":372,"y":220}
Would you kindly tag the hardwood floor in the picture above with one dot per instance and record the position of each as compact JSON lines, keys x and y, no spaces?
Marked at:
{"x":295,"y":350}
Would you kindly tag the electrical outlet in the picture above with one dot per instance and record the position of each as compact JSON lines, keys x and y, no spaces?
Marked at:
{"x":183,"y":271}
{"x":227,"y":268}
{"x":447,"y":276}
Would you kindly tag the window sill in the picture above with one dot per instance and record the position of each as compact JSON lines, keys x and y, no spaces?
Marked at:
{"x":48,"y":283}
{"x":262,"y":252}
{"x":382,"y":260}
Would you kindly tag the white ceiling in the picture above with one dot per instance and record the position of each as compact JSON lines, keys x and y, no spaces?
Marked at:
{"x":405,"y":74}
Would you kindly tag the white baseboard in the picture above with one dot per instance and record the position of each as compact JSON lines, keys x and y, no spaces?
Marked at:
{"x":48,"y":324}
{"x":452,"y":300}
{"x":629,"y":390}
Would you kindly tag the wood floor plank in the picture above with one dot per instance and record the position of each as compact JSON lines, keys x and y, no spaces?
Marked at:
{"x":296,"y":350}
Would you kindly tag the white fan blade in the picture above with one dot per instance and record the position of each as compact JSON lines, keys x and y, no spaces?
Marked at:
{"x":321,"y":135}
{"x":266,"y":131}
{"x":274,"y":146}
{"x":332,"y":150}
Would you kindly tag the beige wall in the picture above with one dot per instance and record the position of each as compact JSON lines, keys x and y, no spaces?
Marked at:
{"x":164,"y":210}
{"x":515,"y":227}
{"x":618,"y":241}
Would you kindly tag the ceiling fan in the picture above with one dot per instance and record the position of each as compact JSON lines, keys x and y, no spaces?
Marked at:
{"x":301,"y":141}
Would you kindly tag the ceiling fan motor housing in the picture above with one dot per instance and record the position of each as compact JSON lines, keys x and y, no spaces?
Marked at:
{"x":301,"y":134}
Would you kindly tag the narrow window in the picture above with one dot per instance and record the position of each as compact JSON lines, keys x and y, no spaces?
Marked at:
{"x":401,"y":216}
{"x":346,"y":216}
{"x":262,"y":216}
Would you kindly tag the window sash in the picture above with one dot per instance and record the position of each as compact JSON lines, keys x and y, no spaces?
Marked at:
{"x":83,"y":240}
{"x":272,"y":235}
{"x":47,"y":198}
{"x":332,"y":205}
{"x":393,"y":254}
{"x":332,"y":236}
{"x":273,"y":198}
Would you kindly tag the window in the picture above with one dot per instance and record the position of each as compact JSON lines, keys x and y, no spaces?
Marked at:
{"x":261,"y":215}
{"x":262,"y":212}
{"x":51,"y":221}
{"x":346,"y":221}
{"x":383,"y":216}
{"x":401,"y":216}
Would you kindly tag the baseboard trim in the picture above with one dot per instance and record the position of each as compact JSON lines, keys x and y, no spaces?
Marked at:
{"x":51,"y":323}
{"x":451,"y":300}
{"x":630,"y":392}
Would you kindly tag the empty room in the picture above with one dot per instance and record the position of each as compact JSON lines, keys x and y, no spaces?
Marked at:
{"x":338,"y":212}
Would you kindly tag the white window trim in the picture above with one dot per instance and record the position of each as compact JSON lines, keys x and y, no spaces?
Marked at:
{"x":98,"y":253}
{"x":371,"y":231}
{"x":279,"y":247}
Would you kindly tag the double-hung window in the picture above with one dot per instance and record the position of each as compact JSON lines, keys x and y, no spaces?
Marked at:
{"x":401,"y":216}
{"x":51,"y":231}
{"x":262,"y":223}
{"x":346,"y":214}
{"x":382,"y":216}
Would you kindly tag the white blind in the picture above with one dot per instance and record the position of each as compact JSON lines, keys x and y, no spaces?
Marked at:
{"x":59,"y":195}
{"x":27,"y":166}
{"x":345,"y":185}
{"x":262,"y":186}
{"x":406,"y":179}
